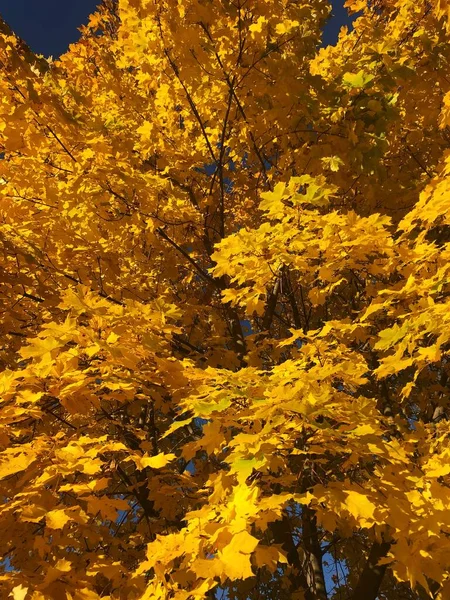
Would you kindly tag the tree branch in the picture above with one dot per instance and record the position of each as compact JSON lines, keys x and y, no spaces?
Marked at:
{"x":372,"y":575}
{"x":272,"y":298}
{"x":282,"y":535}
{"x":199,"y":270}
{"x":313,"y":554}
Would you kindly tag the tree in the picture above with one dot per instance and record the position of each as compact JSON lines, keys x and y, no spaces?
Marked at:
{"x":225,"y":279}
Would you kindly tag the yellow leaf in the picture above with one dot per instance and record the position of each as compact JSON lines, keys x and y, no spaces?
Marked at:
{"x":235,"y":557}
{"x":14,"y":460}
{"x":286,"y":26}
{"x":176,"y":425}
{"x":357,"y":80}
{"x":145,"y":130}
{"x":355,"y":5}
{"x":268,"y":556}
{"x":317,"y":296}
{"x":243,"y":542}
{"x":33,"y":513}
{"x":257,"y":27}
{"x":407,"y":389}
{"x":112,"y":338}
{"x":359,"y":506}
{"x":366,"y":429}
{"x":390,"y":337}
{"x":372,"y":308}
{"x":19,"y":592}
{"x":63,"y":565}
{"x":57,"y":519}
{"x":438,"y":466}
{"x":243,"y":466}
{"x":305,"y":498}
{"x":333,"y":163}
{"x":155,"y":462}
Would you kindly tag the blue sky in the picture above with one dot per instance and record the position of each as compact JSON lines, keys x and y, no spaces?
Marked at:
{"x":49,"y":26}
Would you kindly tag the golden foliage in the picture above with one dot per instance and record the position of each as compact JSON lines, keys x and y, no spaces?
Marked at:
{"x":224,"y":281}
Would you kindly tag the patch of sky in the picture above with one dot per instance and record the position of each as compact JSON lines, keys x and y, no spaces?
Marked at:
{"x":199,"y":422}
{"x":339,"y":17}
{"x":5,"y":564}
{"x":246,"y":327}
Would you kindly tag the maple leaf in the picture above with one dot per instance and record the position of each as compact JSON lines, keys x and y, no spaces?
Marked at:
{"x":234,"y":557}
{"x":359,"y":506}
{"x":155,"y":462}
{"x":19,"y":592}
{"x":357,"y":80}
{"x":57,"y":519}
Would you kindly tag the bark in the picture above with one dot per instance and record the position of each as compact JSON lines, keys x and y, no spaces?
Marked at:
{"x":272,"y":299}
{"x":282,"y":534}
{"x":370,"y":580}
{"x":315,"y":575}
